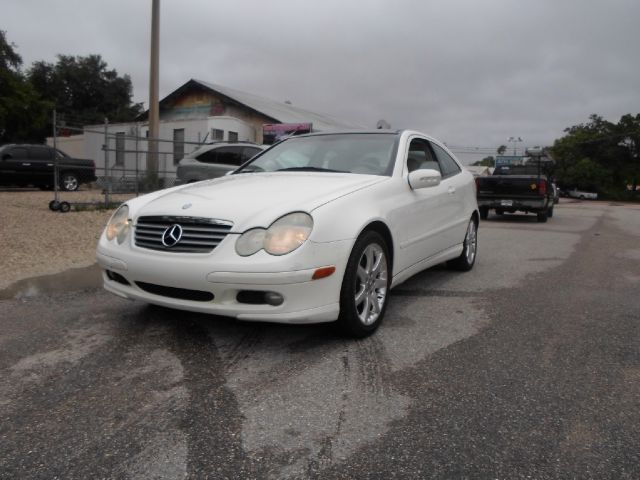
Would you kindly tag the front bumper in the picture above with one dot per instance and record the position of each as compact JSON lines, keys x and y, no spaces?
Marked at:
{"x":224,"y":274}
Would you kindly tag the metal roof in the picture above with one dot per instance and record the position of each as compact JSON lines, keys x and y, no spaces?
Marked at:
{"x":280,"y":112}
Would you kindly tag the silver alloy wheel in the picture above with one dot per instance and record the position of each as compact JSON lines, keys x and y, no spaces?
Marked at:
{"x":371,"y":284}
{"x":471,"y":242}
{"x":69,"y":182}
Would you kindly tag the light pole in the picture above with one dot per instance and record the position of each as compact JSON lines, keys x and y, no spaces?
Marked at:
{"x":514,"y":140}
{"x":154,"y":110}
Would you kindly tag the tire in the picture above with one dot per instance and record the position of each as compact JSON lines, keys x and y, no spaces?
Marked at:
{"x":65,"y":207}
{"x":484,"y":213}
{"x":69,"y":182}
{"x":542,"y":216}
{"x":365,"y":286}
{"x":467,"y":258}
{"x":54,"y":205}
{"x":550,"y":213}
{"x":499,"y":211}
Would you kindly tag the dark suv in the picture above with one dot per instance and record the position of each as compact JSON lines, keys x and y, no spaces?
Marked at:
{"x":23,"y":165}
{"x":215,"y":160}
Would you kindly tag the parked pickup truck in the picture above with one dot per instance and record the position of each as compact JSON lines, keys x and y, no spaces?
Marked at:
{"x":514,"y":188}
{"x":23,"y":165}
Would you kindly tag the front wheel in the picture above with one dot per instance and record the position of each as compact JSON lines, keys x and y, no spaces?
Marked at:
{"x":69,"y":182}
{"x":365,"y":287}
{"x":467,"y":258}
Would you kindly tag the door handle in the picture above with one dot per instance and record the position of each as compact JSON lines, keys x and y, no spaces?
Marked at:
{"x":451,"y":190}
{"x":26,"y":164}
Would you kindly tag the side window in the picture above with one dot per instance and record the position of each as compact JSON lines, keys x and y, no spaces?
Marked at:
{"x":229,"y":156}
{"x":209,"y":156}
{"x":40,"y":153}
{"x":448,"y":164}
{"x":18,"y":153}
{"x":249,"y":152}
{"x":421,"y":156}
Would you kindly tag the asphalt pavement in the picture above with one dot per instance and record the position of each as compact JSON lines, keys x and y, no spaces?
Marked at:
{"x":526,"y":367}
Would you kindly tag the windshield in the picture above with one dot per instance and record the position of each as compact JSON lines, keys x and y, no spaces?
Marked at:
{"x":365,"y":153}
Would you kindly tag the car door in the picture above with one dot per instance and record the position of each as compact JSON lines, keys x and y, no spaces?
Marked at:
{"x":41,"y":159}
{"x":423,"y":219}
{"x":456,"y":221}
{"x":15,"y":165}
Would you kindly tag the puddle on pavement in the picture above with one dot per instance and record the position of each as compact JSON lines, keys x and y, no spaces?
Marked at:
{"x":67,"y":281}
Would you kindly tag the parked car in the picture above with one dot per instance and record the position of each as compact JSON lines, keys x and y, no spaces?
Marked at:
{"x":556,"y":193}
{"x":575,"y":193}
{"x":214,"y":160}
{"x":23,"y":165}
{"x":317,"y":228}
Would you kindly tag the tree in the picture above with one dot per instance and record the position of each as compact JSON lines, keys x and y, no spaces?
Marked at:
{"x":485,"y":162}
{"x":22,"y":112}
{"x":84,"y":90}
{"x":501,"y":149}
{"x":600,"y":154}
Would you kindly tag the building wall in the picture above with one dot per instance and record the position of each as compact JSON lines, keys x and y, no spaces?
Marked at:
{"x":72,"y":146}
{"x":206,"y":104}
{"x":134,"y":143}
{"x":197,"y":112}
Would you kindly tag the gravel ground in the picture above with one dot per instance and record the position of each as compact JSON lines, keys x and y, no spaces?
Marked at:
{"x":35,"y":241}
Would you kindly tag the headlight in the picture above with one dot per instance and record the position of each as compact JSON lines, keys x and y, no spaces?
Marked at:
{"x":250,"y":242}
{"x":288,"y":233}
{"x":282,"y":237}
{"x":118,"y":226}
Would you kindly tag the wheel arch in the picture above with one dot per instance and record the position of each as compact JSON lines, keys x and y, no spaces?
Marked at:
{"x":476,"y":216}
{"x":384,"y":231}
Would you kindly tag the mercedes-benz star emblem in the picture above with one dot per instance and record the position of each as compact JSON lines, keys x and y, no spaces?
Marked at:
{"x":172,"y":236}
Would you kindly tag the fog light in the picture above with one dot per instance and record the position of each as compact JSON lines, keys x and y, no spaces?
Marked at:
{"x":273,"y":298}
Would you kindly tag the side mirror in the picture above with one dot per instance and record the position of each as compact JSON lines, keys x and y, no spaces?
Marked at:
{"x":424,"y":178}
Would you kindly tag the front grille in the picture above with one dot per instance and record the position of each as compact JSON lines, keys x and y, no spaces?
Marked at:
{"x":180,"y":293}
{"x":199,"y":235}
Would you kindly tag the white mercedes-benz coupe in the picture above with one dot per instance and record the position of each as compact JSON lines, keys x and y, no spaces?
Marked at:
{"x":317,"y":228}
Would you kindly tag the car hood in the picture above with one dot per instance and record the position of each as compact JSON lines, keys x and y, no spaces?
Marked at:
{"x":252,"y":199}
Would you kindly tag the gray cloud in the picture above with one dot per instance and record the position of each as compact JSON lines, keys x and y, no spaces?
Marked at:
{"x":469,"y":72}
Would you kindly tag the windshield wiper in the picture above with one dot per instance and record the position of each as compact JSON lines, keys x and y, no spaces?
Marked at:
{"x":309,"y":169}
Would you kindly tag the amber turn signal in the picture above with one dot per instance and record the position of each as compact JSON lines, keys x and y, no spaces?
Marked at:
{"x":323,"y":272}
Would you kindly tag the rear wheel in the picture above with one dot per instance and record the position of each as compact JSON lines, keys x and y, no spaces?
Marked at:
{"x":467,"y":258}
{"x":365,"y":287}
{"x":69,"y":182}
{"x":542,"y":216}
{"x":550,"y":212}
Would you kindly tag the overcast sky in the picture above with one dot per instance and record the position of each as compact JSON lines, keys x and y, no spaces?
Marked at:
{"x":469,"y":72}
